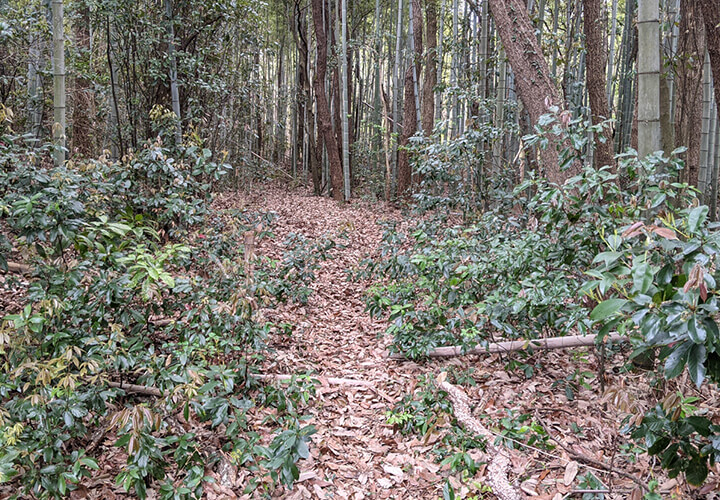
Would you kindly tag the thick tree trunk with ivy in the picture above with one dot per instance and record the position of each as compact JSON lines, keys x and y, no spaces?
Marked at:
{"x":410,"y":122}
{"x":534,"y":85}
{"x":595,"y":70}
{"x":688,"y":82}
{"x":323,"y":108}
{"x":711,"y":16}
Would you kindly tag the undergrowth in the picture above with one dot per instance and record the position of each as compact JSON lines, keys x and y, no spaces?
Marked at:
{"x":126,"y":292}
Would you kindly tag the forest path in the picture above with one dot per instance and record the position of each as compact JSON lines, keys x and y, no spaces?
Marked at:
{"x":355,"y":453}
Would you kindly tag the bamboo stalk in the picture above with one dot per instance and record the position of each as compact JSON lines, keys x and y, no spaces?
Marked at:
{"x":59,"y":121}
{"x":518,"y":345}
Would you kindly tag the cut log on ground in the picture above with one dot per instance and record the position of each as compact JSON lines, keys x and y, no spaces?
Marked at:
{"x":500,"y":462}
{"x":518,"y":345}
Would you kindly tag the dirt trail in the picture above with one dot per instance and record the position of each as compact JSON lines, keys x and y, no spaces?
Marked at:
{"x":355,"y":454}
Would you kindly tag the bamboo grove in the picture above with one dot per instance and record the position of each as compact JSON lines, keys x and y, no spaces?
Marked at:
{"x":340,"y":94}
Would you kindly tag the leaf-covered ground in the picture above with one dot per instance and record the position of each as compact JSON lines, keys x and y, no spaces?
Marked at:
{"x":357,"y":454}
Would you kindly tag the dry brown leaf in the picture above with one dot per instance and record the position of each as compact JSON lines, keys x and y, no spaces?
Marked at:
{"x":571,"y":470}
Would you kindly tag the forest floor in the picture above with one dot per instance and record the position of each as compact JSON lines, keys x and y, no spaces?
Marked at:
{"x":356,"y":453}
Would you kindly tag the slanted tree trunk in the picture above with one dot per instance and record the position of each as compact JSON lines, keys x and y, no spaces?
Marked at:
{"x":323,"y":108}
{"x":594,"y":27}
{"x":688,"y":84}
{"x":428,"y":101}
{"x":59,"y":122}
{"x":532,"y":76}
{"x":711,"y":16}
{"x":410,"y":118}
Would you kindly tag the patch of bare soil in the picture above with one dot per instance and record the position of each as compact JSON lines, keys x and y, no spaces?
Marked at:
{"x":356,"y":453}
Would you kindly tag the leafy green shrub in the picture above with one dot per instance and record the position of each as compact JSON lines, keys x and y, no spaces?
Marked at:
{"x":659,"y":282}
{"x":112,"y":302}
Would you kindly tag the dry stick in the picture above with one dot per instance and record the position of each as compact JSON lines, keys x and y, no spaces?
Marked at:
{"x":518,"y":345}
{"x":579,"y":457}
{"x":499,"y":464}
{"x":137,"y":389}
{"x":17,"y":268}
{"x":329,"y":380}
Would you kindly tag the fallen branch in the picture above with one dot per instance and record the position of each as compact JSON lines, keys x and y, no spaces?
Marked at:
{"x":137,"y":389}
{"x":500,"y":461}
{"x":518,"y":345}
{"x":579,"y":457}
{"x":18,"y":268}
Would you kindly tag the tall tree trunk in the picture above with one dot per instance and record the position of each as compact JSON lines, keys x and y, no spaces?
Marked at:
{"x":649,"y":131}
{"x":410,"y":118}
{"x":59,"y":122}
{"x":532,"y":75}
{"x":711,"y":16}
{"x":345,"y":103}
{"x":34,"y":82}
{"x":377,"y":99}
{"x":428,"y":101}
{"x":594,"y":27}
{"x":611,"y":58}
{"x":688,"y":84}
{"x":174,"y":92}
{"x":396,"y":86}
{"x":305,"y":127}
{"x":83,"y":136}
{"x":704,"y":176}
{"x":323,"y":108}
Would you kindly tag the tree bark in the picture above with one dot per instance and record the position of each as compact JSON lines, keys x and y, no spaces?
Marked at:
{"x":410,"y":123}
{"x":323,"y":108}
{"x":534,"y":85}
{"x":428,"y":102}
{"x":688,"y":81}
{"x":595,"y":70}
{"x":711,"y":16}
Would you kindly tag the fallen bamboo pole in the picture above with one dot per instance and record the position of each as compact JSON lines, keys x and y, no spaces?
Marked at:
{"x":517,"y":345}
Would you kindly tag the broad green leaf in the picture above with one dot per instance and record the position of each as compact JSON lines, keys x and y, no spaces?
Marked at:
{"x":642,"y":277}
{"x":675,"y":363}
{"x":607,"y":257}
{"x":696,"y":330}
{"x":696,"y":363}
{"x":697,"y":471}
{"x":606,"y":309}
{"x":696,"y":217}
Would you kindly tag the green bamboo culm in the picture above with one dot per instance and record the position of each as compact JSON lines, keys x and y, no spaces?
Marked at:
{"x":59,"y":122}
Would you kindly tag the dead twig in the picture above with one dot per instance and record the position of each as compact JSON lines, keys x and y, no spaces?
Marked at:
{"x":579,"y":457}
